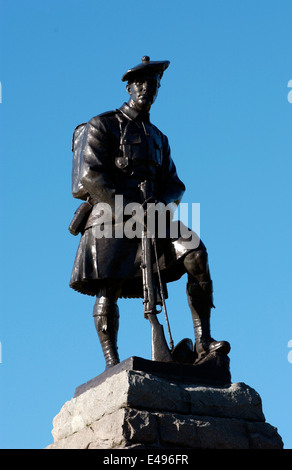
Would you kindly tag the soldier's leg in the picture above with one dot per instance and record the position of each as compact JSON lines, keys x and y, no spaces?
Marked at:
{"x":200,"y":299}
{"x":106,"y":319}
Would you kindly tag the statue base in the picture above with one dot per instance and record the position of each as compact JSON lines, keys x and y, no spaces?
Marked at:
{"x":142,"y":404}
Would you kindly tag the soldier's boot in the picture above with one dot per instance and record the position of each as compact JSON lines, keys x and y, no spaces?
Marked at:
{"x":106,"y":319}
{"x":200,"y":299}
{"x":200,"y":302}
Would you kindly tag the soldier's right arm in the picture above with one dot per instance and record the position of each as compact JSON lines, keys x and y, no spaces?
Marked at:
{"x":98,"y":161}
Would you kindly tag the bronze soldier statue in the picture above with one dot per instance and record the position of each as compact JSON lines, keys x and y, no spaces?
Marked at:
{"x":116,"y":152}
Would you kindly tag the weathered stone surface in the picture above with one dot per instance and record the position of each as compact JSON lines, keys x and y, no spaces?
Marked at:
{"x":263,"y":436}
{"x":105,"y":433}
{"x":141,"y":390}
{"x":202,"y":432}
{"x":237,"y":400}
{"x":91,"y":406}
{"x":134,"y":408}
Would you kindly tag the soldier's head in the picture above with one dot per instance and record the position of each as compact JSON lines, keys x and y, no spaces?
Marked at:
{"x":144,"y":82}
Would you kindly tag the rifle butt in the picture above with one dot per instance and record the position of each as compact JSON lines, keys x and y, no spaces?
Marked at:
{"x":160,"y":350}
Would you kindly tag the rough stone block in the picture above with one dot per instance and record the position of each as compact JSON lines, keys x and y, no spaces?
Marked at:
{"x":202,"y":432}
{"x":136,"y":408}
{"x":236,"y":400}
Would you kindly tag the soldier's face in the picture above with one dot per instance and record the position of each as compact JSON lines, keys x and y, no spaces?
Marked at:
{"x":143,"y":92}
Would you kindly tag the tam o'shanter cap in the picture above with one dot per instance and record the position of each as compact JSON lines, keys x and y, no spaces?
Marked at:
{"x":146,"y":66}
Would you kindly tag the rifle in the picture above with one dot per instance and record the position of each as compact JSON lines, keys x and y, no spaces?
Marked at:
{"x":160,"y":349}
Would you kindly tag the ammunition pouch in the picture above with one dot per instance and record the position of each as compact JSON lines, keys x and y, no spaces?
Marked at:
{"x":79,"y":220}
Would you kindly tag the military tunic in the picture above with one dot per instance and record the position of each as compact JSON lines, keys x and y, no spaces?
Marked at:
{"x":120,"y":149}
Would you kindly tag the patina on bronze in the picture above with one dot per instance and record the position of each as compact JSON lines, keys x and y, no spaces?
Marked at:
{"x":113,"y":154}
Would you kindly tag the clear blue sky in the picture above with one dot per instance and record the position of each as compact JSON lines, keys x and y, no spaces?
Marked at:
{"x":224,"y":106}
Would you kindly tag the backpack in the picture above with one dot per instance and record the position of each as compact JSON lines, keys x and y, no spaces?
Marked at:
{"x":78,"y":191}
{"x":81,"y":215}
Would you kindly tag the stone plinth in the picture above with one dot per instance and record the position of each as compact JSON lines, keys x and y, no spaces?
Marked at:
{"x":127,"y":408}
